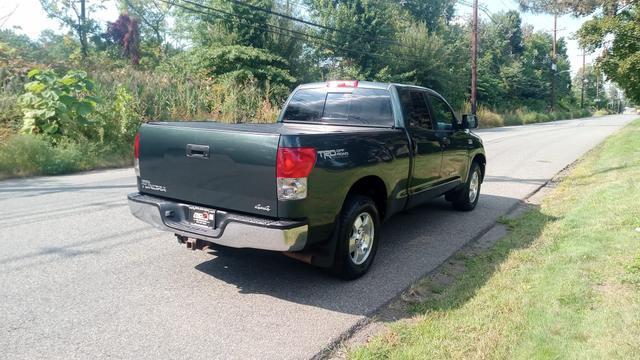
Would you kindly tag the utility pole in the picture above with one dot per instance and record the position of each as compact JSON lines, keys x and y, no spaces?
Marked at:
{"x":83,"y":29}
{"x":597,"y":90}
{"x":583,"y":80}
{"x":474,"y":58}
{"x":554,"y":67}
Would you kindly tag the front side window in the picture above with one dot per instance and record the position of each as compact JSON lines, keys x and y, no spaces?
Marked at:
{"x":444,"y":117}
{"x":357,"y":107}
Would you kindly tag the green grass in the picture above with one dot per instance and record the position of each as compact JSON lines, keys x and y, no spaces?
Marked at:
{"x":27,"y":155}
{"x":565,"y":282}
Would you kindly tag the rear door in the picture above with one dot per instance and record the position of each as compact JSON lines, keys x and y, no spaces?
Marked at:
{"x":452,"y":139}
{"x":427,"y":153}
{"x":222,"y":169}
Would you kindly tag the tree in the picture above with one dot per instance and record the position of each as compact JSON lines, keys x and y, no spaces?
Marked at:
{"x":619,"y":38}
{"x":364,"y":29}
{"x":73,"y":14}
{"x":124,"y":32}
{"x":152,"y":15}
{"x":431,"y":59}
{"x":431,"y":12}
{"x":559,"y":7}
{"x":594,"y":92}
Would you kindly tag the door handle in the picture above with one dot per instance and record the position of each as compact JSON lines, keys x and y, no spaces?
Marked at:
{"x":198,"y":151}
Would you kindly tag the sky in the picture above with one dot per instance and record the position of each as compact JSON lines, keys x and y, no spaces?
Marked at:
{"x":28,"y":18}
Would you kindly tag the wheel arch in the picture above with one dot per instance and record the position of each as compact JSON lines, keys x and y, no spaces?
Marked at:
{"x":482,"y":161}
{"x":373,"y":187}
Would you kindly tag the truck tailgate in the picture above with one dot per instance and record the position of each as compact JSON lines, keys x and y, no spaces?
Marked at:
{"x":213,"y":166}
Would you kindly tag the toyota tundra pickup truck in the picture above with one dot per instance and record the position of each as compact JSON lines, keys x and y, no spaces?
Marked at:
{"x":343,"y":157}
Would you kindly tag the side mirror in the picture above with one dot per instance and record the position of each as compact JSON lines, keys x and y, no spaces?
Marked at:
{"x":469,"y":121}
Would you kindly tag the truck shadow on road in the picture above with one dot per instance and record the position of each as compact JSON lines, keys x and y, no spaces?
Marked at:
{"x":412,"y":245}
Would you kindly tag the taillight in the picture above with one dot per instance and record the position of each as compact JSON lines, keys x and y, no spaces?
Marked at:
{"x":342,"y":83}
{"x":136,"y":154}
{"x":292,"y":169}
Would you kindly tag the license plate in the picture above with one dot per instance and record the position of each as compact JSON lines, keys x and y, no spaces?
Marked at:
{"x":202,"y":217}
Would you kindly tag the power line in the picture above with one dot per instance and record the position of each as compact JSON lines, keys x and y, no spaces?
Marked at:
{"x":307,"y":22}
{"x":322,"y":41}
{"x":280,"y":30}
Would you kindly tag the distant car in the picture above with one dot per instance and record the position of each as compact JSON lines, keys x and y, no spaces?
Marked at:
{"x":343,"y":157}
{"x":630,"y":110}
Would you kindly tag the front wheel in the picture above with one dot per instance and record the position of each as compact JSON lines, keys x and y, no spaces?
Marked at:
{"x":358,"y":235}
{"x":466,"y":198}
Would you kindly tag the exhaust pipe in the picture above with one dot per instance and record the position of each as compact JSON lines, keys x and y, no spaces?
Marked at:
{"x":305,"y":258}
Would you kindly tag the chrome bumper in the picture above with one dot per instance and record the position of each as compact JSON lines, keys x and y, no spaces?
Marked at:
{"x":234,"y":230}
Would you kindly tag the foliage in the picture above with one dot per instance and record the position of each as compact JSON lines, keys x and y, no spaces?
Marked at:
{"x":433,"y":56}
{"x":153,"y":18}
{"x":55,"y":106}
{"x":577,"y":7}
{"x":432,"y":13}
{"x":224,"y":61}
{"x":620,"y":59}
{"x":241,"y":63}
{"x":360,"y":23}
{"x":125,"y":33}
{"x":593,"y":84}
{"x":28,"y":155}
{"x":73,"y":14}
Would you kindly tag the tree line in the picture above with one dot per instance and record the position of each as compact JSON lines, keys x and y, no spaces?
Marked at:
{"x":236,"y":61}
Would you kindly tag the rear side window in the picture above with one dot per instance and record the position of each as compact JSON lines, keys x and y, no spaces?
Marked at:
{"x":357,"y":107}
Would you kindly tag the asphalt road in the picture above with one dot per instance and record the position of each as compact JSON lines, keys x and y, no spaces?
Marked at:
{"x":81,"y":278}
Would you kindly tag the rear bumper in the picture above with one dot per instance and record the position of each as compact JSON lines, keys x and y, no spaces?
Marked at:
{"x":234,"y":230}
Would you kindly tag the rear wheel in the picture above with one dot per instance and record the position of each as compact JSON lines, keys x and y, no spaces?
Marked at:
{"x":466,"y":198}
{"x":358,"y":235}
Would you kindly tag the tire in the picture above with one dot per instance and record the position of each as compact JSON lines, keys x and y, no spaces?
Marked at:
{"x":465,"y":199}
{"x":355,"y":252}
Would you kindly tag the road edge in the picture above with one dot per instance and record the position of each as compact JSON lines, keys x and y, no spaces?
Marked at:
{"x":335,"y":348}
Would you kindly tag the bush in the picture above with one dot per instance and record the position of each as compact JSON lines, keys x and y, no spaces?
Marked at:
{"x":159,"y":96}
{"x":488,"y":118}
{"x":27,"y":155}
{"x":56,"y":106}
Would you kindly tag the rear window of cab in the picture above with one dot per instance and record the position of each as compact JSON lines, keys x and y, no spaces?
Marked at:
{"x":359,"y":106}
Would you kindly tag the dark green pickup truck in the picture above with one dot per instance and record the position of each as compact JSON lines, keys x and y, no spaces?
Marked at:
{"x":343,"y":157}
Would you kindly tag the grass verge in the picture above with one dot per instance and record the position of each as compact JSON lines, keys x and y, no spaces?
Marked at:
{"x":564,"y":283}
{"x":26,"y":155}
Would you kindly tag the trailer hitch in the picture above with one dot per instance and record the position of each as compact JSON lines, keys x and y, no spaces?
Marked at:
{"x":194,"y":244}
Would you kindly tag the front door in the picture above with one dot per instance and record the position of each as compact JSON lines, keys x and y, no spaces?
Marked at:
{"x":427,"y":153}
{"x":453,"y":140}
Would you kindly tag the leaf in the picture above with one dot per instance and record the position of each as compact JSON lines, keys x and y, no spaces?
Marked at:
{"x":50,"y":94}
{"x":51,"y":128}
{"x":84,"y":108}
{"x":33,"y":73}
{"x":68,"y":80}
{"x":28,"y":125}
{"x":95,"y":99}
{"x":67,"y":100}
{"x":35,"y":87}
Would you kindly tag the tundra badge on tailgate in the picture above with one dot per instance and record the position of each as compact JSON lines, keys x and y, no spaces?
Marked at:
{"x":147,"y":185}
